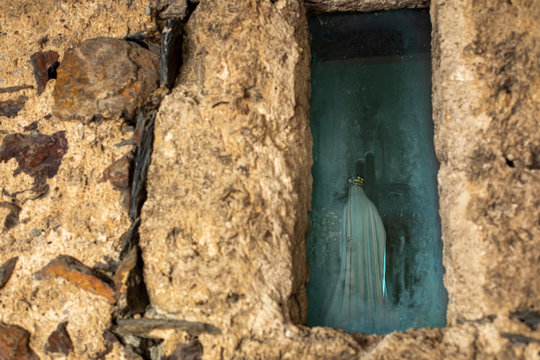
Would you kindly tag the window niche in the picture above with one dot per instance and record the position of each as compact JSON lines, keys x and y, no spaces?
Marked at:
{"x":371,"y":117}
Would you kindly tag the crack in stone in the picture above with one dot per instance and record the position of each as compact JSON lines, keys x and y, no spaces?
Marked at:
{"x":170,"y":60}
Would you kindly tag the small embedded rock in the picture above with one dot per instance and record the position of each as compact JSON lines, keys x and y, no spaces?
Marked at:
{"x":144,"y":327}
{"x":104,"y":78}
{"x":170,"y":9}
{"x":12,"y":219}
{"x":11,"y":108}
{"x":38,"y":155}
{"x":59,"y":340}
{"x":193,"y":350}
{"x":131,"y":294}
{"x":15,"y":88}
{"x":80,"y":275}
{"x":110,"y":340}
{"x":45,"y":64}
{"x":171,"y":52}
{"x":131,"y":354}
{"x":35,"y":232}
{"x":14,"y":343}
{"x":118,"y":173}
{"x":33,"y":126}
{"x":6,"y":270}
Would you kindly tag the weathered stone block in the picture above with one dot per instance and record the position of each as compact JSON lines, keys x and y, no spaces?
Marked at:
{"x":223,"y":227}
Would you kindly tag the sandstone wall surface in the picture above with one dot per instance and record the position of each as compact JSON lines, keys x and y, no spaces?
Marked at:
{"x":78,"y":215}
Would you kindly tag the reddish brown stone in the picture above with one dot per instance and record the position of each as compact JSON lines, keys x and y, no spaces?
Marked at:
{"x":118,"y":173}
{"x":12,"y":219}
{"x":45,"y":63}
{"x":11,"y":108}
{"x":103,"y":78}
{"x":14,"y":343}
{"x":80,"y":275}
{"x":59,"y":340}
{"x":6,"y":271}
{"x":38,"y":155}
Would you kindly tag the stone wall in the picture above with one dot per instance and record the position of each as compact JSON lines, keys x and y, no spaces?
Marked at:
{"x":224,"y":223}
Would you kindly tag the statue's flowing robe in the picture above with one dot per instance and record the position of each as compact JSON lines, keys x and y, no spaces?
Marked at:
{"x":358,"y":301}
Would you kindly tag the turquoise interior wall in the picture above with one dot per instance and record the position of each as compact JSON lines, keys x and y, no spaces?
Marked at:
{"x":371,"y":115}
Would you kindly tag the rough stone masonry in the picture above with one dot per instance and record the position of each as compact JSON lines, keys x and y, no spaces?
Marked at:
{"x":223,"y":226}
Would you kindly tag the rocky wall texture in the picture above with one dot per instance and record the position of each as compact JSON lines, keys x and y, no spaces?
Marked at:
{"x":486,"y":102}
{"x":54,"y":200}
{"x":223,"y":227}
{"x":486,"y":108}
{"x":230,"y":175}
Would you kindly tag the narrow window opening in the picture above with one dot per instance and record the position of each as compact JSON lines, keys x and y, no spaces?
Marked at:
{"x":374,"y":250}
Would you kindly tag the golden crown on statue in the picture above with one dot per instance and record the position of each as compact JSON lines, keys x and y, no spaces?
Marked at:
{"x":356,"y":180}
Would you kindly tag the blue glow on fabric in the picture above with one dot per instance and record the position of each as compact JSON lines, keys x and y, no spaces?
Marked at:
{"x":358,"y":301}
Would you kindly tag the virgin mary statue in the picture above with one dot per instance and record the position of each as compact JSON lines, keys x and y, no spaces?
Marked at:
{"x":358,"y":300}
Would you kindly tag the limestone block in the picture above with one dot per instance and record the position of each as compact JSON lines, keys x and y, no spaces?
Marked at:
{"x":104,"y":78}
{"x":79,"y":216}
{"x":486,"y":108}
{"x":224,"y":224}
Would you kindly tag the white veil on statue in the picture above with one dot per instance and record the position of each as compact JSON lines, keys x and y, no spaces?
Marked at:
{"x":358,"y":302}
